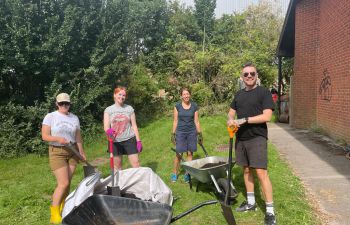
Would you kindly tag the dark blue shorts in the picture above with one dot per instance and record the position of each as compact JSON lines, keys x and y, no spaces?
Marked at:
{"x":186,"y":142}
{"x":127,"y":147}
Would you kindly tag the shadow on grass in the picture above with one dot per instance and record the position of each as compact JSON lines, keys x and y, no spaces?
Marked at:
{"x":152,"y":165}
{"x":238,"y":182}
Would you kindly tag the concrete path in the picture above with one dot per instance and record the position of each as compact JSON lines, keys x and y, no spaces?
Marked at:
{"x":321,"y":165}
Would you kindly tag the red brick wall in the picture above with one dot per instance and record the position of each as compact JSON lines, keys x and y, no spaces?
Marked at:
{"x":303,"y":88}
{"x":321,"y":83}
{"x":334,"y":61}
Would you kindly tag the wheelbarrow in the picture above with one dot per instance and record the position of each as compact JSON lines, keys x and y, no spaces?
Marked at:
{"x":211,"y":169}
{"x":115,"y":210}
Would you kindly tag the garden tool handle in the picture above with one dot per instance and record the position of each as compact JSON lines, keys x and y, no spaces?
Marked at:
{"x":174,"y":150}
{"x":229,"y":168}
{"x":232,"y":130}
{"x":205,"y":152}
{"x":111,"y":157}
{"x":71,"y":147}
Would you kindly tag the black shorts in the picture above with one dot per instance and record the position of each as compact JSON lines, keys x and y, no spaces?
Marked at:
{"x":127,"y":147}
{"x":252,"y":153}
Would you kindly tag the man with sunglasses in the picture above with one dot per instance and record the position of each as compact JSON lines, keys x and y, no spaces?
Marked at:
{"x":241,"y":84}
{"x":253,"y":106}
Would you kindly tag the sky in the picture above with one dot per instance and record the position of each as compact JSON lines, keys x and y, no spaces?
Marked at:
{"x":230,"y":6}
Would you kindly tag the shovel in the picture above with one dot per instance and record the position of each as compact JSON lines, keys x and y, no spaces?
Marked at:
{"x":226,"y":208}
{"x":88,"y":168}
{"x":112,"y":190}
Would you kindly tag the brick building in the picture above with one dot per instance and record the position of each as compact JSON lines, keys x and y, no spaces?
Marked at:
{"x":317,"y":34}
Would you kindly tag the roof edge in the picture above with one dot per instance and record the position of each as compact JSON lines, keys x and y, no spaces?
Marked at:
{"x":288,"y":21}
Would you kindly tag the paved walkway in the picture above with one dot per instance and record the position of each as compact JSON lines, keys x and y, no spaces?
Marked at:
{"x":321,"y":165}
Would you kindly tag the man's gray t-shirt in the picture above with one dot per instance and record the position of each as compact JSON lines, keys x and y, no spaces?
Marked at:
{"x":185,"y":122}
{"x":120,"y":121}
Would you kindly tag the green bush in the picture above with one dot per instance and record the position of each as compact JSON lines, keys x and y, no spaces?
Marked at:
{"x":20,"y":130}
{"x":143,"y":94}
{"x":201,"y":93}
{"x":214,"y":109}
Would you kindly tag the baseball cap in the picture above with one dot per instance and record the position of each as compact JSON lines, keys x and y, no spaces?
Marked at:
{"x":63,"y":97}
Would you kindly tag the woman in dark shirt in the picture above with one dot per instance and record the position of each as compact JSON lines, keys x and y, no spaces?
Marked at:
{"x":186,"y":128}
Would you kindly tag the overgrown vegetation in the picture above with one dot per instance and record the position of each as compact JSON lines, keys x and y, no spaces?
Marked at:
{"x":86,"y":48}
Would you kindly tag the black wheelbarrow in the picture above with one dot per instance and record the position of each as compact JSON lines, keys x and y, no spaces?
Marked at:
{"x":114,"y":210}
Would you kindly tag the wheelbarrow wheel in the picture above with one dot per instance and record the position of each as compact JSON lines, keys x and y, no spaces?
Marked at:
{"x":222,"y":182}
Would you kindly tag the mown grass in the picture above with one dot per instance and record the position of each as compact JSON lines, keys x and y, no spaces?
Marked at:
{"x":26,"y":183}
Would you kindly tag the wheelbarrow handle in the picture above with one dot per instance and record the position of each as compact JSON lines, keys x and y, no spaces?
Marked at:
{"x":193,"y":209}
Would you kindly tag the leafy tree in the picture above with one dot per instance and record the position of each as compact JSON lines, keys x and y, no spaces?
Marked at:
{"x":250,"y":36}
{"x":205,"y":15}
{"x":182,"y":21}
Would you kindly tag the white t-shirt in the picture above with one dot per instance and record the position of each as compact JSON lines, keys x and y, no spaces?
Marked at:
{"x":120,"y":121}
{"x":62,"y":125}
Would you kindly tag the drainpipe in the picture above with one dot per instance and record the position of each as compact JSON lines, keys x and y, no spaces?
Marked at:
{"x":279,"y":83}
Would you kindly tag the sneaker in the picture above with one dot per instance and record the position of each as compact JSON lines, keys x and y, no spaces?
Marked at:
{"x":187,"y":178}
{"x":245,"y":207}
{"x":173,"y":177}
{"x":270,"y":219}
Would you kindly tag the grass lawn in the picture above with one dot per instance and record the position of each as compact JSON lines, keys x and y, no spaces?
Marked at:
{"x":26,"y":183}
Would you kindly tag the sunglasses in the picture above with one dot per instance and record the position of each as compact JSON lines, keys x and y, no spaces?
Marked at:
{"x":251,"y":73}
{"x":63,"y":103}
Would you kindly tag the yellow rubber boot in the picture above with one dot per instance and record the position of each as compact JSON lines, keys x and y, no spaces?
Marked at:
{"x":61,"y":206}
{"x":55,"y":215}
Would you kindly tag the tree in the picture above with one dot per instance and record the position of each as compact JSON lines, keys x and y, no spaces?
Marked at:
{"x":182,"y":21}
{"x":250,"y":36}
{"x":205,"y":16}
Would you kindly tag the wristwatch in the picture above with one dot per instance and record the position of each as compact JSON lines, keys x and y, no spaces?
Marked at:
{"x":246,"y":119}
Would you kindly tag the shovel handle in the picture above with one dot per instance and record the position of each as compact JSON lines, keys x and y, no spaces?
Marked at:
{"x":111,"y":155}
{"x":74,"y":150}
{"x":111,"y":160}
{"x":232,"y":130}
{"x":229,"y":167}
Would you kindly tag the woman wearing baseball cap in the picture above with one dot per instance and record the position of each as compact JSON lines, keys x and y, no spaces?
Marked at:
{"x":61,"y":128}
